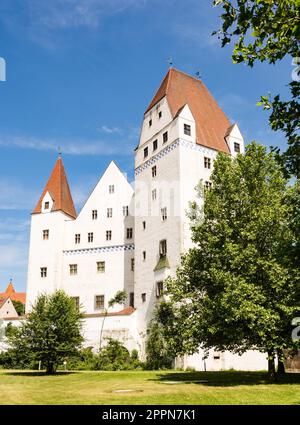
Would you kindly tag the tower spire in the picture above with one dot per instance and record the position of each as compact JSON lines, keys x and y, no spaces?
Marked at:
{"x":59,"y":190}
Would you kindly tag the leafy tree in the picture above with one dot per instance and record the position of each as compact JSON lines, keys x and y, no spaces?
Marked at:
{"x":119,"y":298}
{"x":158,"y":350}
{"x":51,"y":332}
{"x":268,"y":30}
{"x":237,"y":288}
{"x":20,"y":307}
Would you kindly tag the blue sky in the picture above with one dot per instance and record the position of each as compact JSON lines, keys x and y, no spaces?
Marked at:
{"x":80,"y":74}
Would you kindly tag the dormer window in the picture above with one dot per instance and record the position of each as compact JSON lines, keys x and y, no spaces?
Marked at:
{"x":163,"y":248}
{"x":46,"y":205}
{"x":146,"y":152}
{"x":237,"y":147}
{"x":187,"y":129}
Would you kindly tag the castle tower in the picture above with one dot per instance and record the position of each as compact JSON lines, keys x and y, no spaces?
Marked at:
{"x":55,"y":206}
{"x":182,"y":132}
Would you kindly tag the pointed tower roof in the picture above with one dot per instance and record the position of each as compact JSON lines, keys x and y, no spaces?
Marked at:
{"x":10,"y":288}
{"x":12,"y":294}
{"x":59,"y":190}
{"x":211,"y":122}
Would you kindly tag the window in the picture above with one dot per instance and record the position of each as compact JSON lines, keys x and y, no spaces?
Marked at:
{"x":43,"y":271}
{"x":131,"y":299}
{"x":237,"y":147}
{"x":146,"y":152}
{"x":73,"y":269}
{"x":144,"y":255}
{"x":129,"y":233}
{"x":100,"y":266}
{"x":163,"y":248}
{"x":111,"y":188}
{"x":207,"y":185}
{"x":153,"y":194}
{"x":99,"y":302}
{"x":76,"y":301}
{"x":77,"y":238}
{"x":108,"y":235}
{"x":94,"y":214}
{"x":46,"y":234}
{"x":150,"y":123}
{"x":187,"y":129}
{"x":159,"y":289}
{"x":159,"y":114}
{"x":144,"y":225}
{"x":132,"y":264}
{"x":144,"y":297}
{"x":154,"y":171}
{"x":154,"y":145}
{"x":165,"y":137}
{"x":46,"y":205}
{"x":109,"y":212}
{"x":90,"y":237}
{"x":207,"y":162}
{"x":164,"y":214}
{"x":125,"y":211}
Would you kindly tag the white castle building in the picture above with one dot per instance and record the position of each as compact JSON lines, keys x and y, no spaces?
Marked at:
{"x":130,"y":237}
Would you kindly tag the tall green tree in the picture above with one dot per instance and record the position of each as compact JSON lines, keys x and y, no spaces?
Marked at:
{"x":51,"y":332}
{"x":236,"y":289}
{"x":269,"y":30}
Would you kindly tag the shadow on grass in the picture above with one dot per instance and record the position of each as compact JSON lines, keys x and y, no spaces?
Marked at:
{"x":226,"y":378}
{"x":37,"y":373}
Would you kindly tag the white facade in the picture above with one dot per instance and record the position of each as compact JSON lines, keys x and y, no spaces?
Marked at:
{"x":137,"y":237}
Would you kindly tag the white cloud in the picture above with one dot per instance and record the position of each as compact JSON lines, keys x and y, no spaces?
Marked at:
{"x":62,"y":14}
{"x":77,"y":147}
{"x":110,"y":130}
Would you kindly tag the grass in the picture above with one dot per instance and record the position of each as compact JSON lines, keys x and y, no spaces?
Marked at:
{"x":149,"y":387}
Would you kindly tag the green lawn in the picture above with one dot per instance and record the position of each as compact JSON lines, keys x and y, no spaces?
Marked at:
{"x":158,"y":387}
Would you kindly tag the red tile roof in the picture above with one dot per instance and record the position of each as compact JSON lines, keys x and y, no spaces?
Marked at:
{"x":15,"y":296}
{"x":211,"y":122}
{"x":59,"y":189}
{"x":125,"y":312}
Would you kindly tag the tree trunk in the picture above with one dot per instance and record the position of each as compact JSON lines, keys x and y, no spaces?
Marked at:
{"x":101,"y":332}
{"x":50,"y":370}
{"x":271,"y":366}
{"x":281,"y":367}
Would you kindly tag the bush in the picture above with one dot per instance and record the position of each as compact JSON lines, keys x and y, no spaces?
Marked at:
{"x":114,"y":356}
